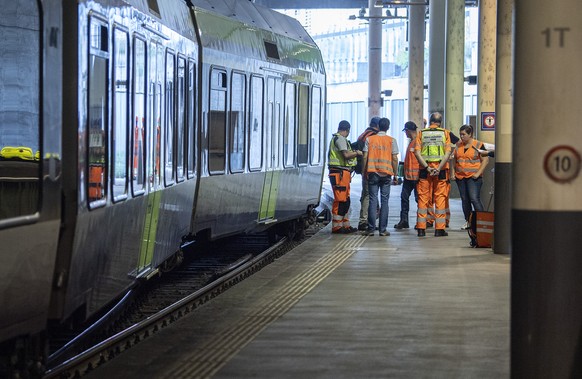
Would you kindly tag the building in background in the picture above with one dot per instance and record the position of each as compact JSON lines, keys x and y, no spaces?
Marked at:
{"x":344,"y":45}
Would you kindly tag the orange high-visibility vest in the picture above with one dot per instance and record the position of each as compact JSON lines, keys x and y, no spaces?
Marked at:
{"x":411,"y":165}
{"x":467,"y":160}
{"x":380,"y":154}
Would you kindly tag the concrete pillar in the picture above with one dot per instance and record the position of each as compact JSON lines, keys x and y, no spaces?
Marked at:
{"x":546,"y":267}
{"x":416,"y":31}
{"x":504,"y":126}
{"x":374,"y":60}
{"x":436,"y":56}
{"x":455,"y":65}
{"x":485,"y":128}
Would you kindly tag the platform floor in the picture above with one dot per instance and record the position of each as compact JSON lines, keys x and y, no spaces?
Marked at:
{"x":347,"y":306}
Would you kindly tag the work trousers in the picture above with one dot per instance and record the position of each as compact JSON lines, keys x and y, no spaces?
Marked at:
{"x":340,"y":183}
{"x":432,"y":187}
{"x":408,"y":186}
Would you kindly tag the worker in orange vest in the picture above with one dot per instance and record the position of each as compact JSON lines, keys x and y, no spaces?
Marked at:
{"x":411,"y":169}
{"x":365,"y":196}
{"x":469,"y":167}
{"x":380,"y":167}
{"x":432,"y":150}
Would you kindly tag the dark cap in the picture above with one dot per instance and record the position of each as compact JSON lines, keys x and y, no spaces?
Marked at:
{"x":409,"y":126}
{"x":344,"y":125}
{"x":375,"y":121}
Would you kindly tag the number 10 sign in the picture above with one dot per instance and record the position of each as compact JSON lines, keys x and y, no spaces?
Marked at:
{"x":562,"y":164}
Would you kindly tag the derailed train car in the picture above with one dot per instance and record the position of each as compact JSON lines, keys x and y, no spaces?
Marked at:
{"x":128,"y":128}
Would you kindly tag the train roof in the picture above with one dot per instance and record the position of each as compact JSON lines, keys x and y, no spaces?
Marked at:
{"x":257,"y":16}
{"x":245,"y":29}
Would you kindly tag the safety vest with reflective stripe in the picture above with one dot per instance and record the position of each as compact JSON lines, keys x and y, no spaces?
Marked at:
{"x":433,"y":142}
{"x":411,"y":165}
{"x":335,"y":156}
{"x":380,"y":155}
{"x":468,"y":162}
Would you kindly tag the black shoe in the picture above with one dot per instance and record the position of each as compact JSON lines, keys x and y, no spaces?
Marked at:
{"x":429,"y":224}
{"x":363,"y":226}
{"x":401,"y":225}
{"x":440,"y":233}
{"x":421,"y":232}
{"x":350,"y":229}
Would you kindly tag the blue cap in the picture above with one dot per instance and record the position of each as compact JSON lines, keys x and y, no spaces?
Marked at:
{"x":375,"y":121}
{"x":410,"y":126}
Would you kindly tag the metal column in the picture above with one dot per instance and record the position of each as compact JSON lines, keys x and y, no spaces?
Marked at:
{"x":416,"y":31}
{"x":485,"y":128}
{"x":546,"y":282}
{"x":504,"y":127}
{"x":436,"y":56}
{"x":455,"y":65}
{"x":374,"y":60}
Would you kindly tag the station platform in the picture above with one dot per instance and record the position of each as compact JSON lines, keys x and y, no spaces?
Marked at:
{"x":347,"y":306}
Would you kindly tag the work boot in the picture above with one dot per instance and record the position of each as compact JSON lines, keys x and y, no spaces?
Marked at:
{"x":363,"y":226}
{"x":421,"y":232}
{"x":440,"y":233}
{"x":429,"y":224}
{"x":401,"y":225}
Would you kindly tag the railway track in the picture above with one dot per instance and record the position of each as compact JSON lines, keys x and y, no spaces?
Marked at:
{"x":144,"y":312}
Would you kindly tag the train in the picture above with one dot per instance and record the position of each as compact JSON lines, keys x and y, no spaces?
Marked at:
{"x":130,"y":128}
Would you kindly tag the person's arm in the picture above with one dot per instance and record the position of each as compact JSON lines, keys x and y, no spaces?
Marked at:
{"x":365,"y":163}
{"x":484,"y":163}
{"x":351,"y":154}
{"x":420,"y":159}
{"x":395,"y":167}
{"x":445,"y":158}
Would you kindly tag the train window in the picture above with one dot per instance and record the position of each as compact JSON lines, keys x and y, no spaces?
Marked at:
{"x":19,"y":109}
{"x":217,"y":122}
{"x":272,"y":50}
{"x":303,"y":125}
{"x":256,"y":123}
{"x":191,"y":131}
{"x":237,"y":122}
{"x":154,"y":7}
{"x":169,"y":124}
{"x":181,"y":119}
{"x":316,"y":124}
{"x":97,"y":128}
{"x":289,"y":125}
{"x":154,"y":131}
{"x":138,"y":119}
{"x":120,"y":96}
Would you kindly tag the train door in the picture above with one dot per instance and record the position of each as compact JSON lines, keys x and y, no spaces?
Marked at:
{"x":153,"y":149}
{"x":272,"y":130}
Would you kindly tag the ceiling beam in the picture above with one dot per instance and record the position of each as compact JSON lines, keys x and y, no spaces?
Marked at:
{"x":322,"y":4}
{"x":312,"y":4}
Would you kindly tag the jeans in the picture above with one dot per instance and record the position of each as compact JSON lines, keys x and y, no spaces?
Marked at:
{"x":375,"y":183}
{"x":407,"y":187}
{"x":364,"y":201}
{"x":470,"y":190}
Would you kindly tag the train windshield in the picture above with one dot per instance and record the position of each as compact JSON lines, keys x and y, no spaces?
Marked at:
{"x":19,"y":108}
